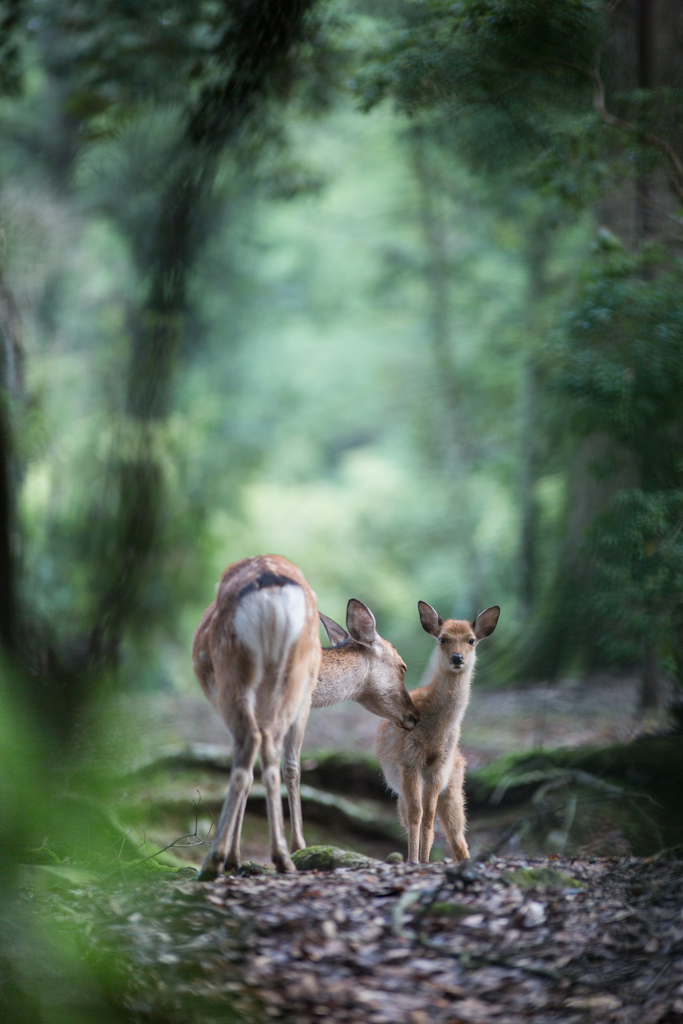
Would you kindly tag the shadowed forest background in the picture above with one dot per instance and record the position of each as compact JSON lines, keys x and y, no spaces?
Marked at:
{"x":391,"y":289}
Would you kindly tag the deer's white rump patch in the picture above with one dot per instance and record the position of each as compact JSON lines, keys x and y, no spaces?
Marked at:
{"x":270,"y":620}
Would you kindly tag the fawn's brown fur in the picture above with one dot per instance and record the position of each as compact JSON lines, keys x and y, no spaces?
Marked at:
{"x":425,"y":767}
{"x":258,"y":659}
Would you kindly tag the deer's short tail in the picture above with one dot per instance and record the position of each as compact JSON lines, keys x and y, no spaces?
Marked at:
{"x":269,"y":618}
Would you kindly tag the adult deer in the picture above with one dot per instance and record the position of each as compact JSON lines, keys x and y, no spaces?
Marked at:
{"x":425,"y":767}
{"x":258,"y":659}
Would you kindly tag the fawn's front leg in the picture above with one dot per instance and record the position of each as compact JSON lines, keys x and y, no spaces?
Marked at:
{"x":451,"y":808}
{"x":430,"y":795}
{"x":410,"y":811}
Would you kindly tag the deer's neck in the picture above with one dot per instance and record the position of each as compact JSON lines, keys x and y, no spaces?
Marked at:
{"x":446,"y":696}
{"x":343,"y":674}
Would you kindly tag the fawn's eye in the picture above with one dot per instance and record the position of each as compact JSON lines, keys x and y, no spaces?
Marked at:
{"x":442,"y":640}
{"x":471,"y":643}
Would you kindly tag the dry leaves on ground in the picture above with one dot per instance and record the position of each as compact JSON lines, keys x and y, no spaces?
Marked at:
{"x":504,"y":942}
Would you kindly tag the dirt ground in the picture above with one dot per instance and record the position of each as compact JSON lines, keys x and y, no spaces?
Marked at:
{"x":510,"y":941}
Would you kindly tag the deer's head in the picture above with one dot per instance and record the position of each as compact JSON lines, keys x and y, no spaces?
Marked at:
{"x":382,"y":670}
{"x":457,"y":638}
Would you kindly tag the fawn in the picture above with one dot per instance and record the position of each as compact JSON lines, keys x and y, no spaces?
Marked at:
{"x":258,"y":659}
{"x":425,"y":767}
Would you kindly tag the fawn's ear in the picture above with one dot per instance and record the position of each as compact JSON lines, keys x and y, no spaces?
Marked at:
{"x":335,"y":632}
{"x":360,"y":622}
{"x":430,"y":618}
{"x":486,"y":622}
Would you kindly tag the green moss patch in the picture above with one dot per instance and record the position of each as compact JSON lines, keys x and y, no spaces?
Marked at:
{"x":327,"y":858}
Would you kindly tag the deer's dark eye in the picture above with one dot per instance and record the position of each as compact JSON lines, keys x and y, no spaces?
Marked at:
{"x":471,"y":643}
{"x":442,"y":640}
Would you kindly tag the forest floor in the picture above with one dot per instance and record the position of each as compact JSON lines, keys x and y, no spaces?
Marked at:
{"x":513,"y":940}
{"x":501,"y":940}
{"x":498,"y":722}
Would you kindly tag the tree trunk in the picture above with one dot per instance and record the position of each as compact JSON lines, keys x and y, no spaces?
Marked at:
{"x":645,"y":48}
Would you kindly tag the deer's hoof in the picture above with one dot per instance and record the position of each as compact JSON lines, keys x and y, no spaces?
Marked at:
{"x":210,"y":869}
{"x":284,"y":864}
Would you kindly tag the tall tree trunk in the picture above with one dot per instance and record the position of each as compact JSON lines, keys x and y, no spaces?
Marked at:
{"x":645,"y":52}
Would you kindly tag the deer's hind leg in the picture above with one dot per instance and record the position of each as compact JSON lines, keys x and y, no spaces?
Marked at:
{"x":271,"y":753}
{"x":291,"y":769}
{"x":451,"y":811}
{"x":247,"y":739}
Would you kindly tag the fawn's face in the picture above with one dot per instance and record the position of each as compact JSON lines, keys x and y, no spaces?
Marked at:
{"x":457,"y":638}
{"x":457,"y":644}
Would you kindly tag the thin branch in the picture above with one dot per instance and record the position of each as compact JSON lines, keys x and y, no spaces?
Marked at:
{"x":176,"y":842}
{"x":618,"y":122}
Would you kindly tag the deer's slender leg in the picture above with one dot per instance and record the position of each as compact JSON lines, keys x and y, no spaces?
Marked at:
{"x":292,"y":772}
{"x":246,"y":744}
{"x":234,"y":856}
{"x":451,"y":810}
{"x":271,"y":752}
{"x":411,"y":793}
{"x":430,"y":794}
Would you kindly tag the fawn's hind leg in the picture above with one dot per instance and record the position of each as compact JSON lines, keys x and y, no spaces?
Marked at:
{"x":451,"y":811}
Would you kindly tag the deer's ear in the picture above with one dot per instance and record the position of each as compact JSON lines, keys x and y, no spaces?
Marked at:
{"x":335,"y":632}
{"x":430,"y":618}
{"x":360,"y":622}
{"x":486,"y":622}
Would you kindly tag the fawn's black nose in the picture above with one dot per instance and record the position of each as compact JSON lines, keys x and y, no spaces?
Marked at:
{"x":457,"y":660}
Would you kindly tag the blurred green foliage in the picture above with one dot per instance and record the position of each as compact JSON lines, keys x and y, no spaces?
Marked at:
{"x":564,"y":101}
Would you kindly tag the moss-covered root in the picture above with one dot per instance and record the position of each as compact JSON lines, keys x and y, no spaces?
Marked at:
{"x":326,"y":858}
